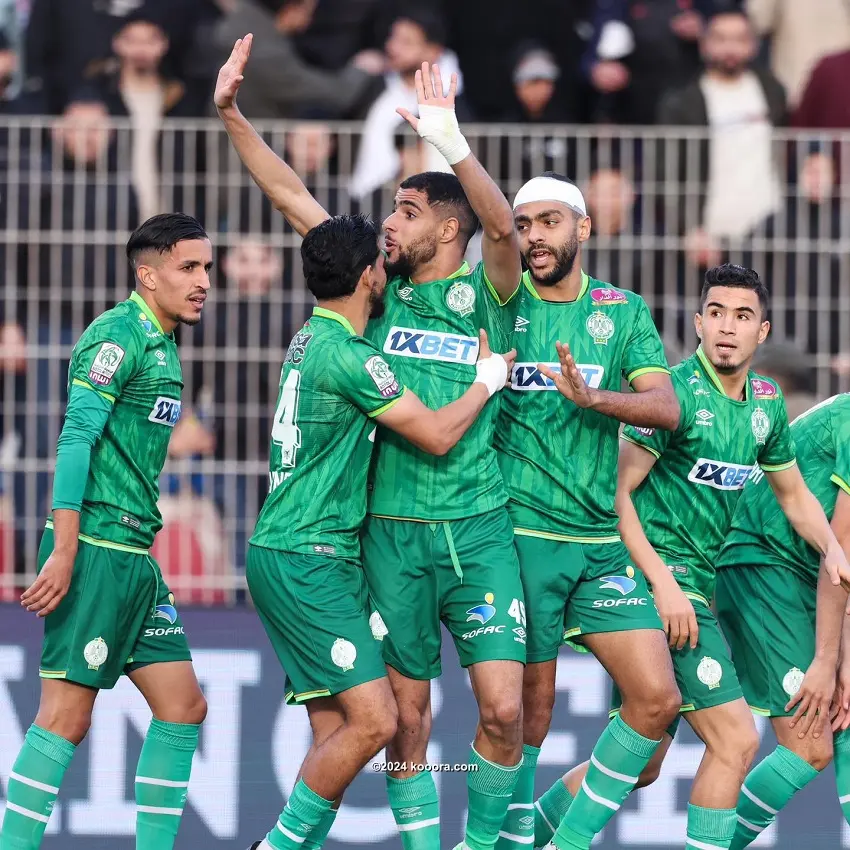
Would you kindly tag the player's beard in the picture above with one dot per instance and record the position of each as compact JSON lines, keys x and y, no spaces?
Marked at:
{"x":419,"y":251}
{"x":565,"y":258}
{"x":377,"y":303}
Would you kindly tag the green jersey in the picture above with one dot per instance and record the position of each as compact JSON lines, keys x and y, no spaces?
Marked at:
{"x":760,"y":534}
{"x":686,"y":502}
{"x":126,"y":357}
{"x":559,"y":461}
{"x":429,"y":332}
{"x":333,"y":383}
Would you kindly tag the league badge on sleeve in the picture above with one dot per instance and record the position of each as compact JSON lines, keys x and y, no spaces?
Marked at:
{"x":105,"y":364}
{"x":382,"y":375}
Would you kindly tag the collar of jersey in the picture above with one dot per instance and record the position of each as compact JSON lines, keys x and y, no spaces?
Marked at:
{"x":140,"y":302}
{"x":715,"y":380}
{"x":464,"y":269}
{"x":585,"y":283}
{"x":322,"y":313}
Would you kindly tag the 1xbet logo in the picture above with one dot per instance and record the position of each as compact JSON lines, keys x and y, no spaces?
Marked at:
{"x":720,"y":475}
{"x":431,"y":345}
{"x":166,"y":411}
{"x":526,"y":376}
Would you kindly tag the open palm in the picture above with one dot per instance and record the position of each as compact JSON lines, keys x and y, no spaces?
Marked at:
{"x":430,"y":92}
{"x":232,"y":73}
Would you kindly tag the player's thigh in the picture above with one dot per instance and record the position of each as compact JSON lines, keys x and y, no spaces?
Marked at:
{"x":326,"y":717}
{"x":768,"y":617}
{"x":90,"y":636}
{"x":398,"y":560}
{"x":612,"y":597}
{"x":480,"y":590}
{"x":315,"y":612}
{"x":549,"y":570}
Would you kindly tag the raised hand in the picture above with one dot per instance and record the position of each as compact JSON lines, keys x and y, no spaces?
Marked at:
{"x":430,"y":93}
{"x":569,"y":381}
{"x":232,"y":73}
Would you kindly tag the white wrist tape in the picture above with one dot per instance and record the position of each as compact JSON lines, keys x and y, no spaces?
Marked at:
{"x":492,"y":371}
{"x":439,"y":126}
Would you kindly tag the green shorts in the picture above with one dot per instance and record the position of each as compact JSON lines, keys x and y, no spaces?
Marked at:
{"x":575,"y":589}
{"x":768,"y":617}
{"x":118,"y":616}
{"x":706,"y":676}
{"x":315,"y":611}
{"x":463,"y":572}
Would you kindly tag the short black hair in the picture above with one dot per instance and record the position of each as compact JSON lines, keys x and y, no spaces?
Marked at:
{"x":162,"y":232}
{"x":428,"y":20}
{"x":443,"y":190}
{"x":737,"y":276}
{"x":725,"y":10}
{"x":335,"y":254}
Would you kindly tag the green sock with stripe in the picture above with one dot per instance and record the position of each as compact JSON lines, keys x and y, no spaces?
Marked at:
{"x":33,"y":785}
{"x":490,"y":787}
{"x":618,"y":758}
{"x":710,"y":829}
{"x":317,"y":837}
{"x":162,"y":782}
{"x":416,"y":811}
{"x":549,"y":811}
{"x":304,"y":813}
{"x":517,"y":831}
{"x":767,"y":789}
{"x":841,"y":744}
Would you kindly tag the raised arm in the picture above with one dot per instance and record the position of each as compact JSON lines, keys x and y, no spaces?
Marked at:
{"x":280,"y":184}
{"x":437,"y":124}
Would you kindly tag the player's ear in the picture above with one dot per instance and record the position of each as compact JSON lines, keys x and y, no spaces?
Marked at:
{"x":698,"y":324}
{"x":584,"y":227}
{"x":449,"y":229}
{"x":146,"y":275}
{"x":764,"y":331}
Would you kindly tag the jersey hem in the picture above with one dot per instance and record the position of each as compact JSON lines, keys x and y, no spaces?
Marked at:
{"x":647,"y":370}
{"x":385,"y":407}
{"x":643,"y":446}
{"x":837,"y":479}
{"x":105,"y":544}
{"x":566,"y":538}
{"x":778,"y":467}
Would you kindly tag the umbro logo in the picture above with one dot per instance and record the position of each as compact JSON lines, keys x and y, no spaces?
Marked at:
{"x":704,"y":417}
{"x":405,"y":293}
{"x":520,"y":325}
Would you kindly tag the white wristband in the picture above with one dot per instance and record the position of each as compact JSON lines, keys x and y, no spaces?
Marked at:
{"x":492,"y":371}
{"x":439,"y":126}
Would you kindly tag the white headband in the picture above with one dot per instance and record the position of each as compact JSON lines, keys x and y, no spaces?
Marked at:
{"x":549,"y":189}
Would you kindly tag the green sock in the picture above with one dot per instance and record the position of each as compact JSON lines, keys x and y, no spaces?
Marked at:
{"x":416,"y":811}
{"x":518,"y":829}
{"x":841,"y":744}
{"x":710,"y":828}
{"x":549,"y":811}
{"x":33,"y":785}
{"x":768,"y":788}
{"x":305,"y":811}
{"x":317,"y":837}
{"x":490,"y":787}
{"x":617,"y":759}
{"x":162,"y":782}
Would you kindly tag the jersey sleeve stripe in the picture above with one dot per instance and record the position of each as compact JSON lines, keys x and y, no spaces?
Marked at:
{"x":640,"y":445}
{"x":646,"y":370}
{"x":778,"y":467}
{"x":385,"y":407}
{"x":837,"y":479}
{"x":78,"y":383}
{"x":492,"y":290}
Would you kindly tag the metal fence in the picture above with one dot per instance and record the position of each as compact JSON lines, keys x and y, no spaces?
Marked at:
{"x":663,"y":202}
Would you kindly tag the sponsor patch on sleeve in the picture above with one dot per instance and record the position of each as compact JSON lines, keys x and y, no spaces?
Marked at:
{"x":382,"y":375}
{"x":106,"y":363}
{"x":647,"y":432}
{"x":762,"y":388}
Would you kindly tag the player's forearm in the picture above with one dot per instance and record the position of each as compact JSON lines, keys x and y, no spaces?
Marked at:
{"x":279,"y":183}
{"x":66,"y":531}
{"x":806,"y":516}
{"x":655,"y":408}
{"x":451,"y":422}
{"x":831,"y":601}
{"x":643,"y":554}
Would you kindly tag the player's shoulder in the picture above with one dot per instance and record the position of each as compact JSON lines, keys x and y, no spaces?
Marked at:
{"x":122,"y":324}
{"x":763,"y":388}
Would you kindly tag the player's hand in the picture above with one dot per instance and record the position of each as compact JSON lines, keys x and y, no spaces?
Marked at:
{"x":836,"y":566}
{"x":569,"y":382}
{"x":232,"y":73}
{"x":430,"y":92}
{"x":48,"y":590}
{"x":841,"y":700}
{"x":814,"y":699}
{"x":484,"y":353}
{"x":677,"y":614}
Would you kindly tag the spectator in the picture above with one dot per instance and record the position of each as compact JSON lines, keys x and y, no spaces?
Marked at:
{"x":338,"y":32}
{"x":800,"y":34}
{"x":416,"y":37}
{"x":741,"y":106}
{"x":639,"y":46}
{"x":534,"y":78}
{"x":280,"y":84}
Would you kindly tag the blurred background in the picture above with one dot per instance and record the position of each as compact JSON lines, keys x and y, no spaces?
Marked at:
{"x":699,"y":130}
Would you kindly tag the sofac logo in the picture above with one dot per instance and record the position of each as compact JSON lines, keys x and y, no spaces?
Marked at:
{"x":482,"y":613}
{"x":719,"y":474}
{"x":526,"y":376}
{"x":166,"y":411}
{"x":607,"y":296}
{"x":431,"y":345}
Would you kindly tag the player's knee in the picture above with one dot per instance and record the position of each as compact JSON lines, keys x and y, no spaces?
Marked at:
{"x":191,"y":709}
{"x":196,"y":711}
{"x":380,"y":726}
{"x":658,"y":705}
{"x":819,"y":752}
{"x":72,"y":725}
{"x":501,"y":716}
{"x":738,"y":747}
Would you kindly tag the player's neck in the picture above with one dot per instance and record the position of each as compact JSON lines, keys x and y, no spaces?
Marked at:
{"x":566,"y":289}
{"x":439,"y":268}
{"x":734,"y":383}
{"x":165,"y":322}
{"x":355,"y":311}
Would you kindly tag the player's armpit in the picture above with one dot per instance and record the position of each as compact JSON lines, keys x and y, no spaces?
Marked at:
{"x":434,"y":431}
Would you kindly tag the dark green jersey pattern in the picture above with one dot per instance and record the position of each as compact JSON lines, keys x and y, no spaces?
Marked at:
{"x":559,"y":461}
{"x":125,"y":356}
{"x":760,"y":534}
{"x":429,"y":333}
{"x":332,"y":383}
{"x":686,"y":503}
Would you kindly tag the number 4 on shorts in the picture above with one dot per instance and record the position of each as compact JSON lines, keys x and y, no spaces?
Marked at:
{"x":517,"y":611}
